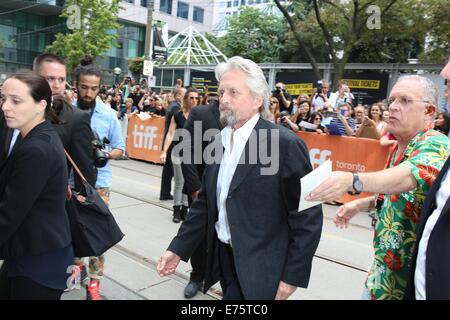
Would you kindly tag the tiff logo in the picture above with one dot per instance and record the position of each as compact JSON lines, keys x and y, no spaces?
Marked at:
{"x":144,"y":136}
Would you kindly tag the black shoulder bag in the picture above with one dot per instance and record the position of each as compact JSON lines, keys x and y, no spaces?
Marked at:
{"x":93,"y":227}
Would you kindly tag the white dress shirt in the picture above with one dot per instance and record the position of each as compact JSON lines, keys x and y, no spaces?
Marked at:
{"x":442,"y":196}
{"x":13,"y":140}
{"x":234,"y":142}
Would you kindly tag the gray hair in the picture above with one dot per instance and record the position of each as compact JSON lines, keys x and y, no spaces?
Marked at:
{"x":256,"y":81}
{"x":430,"y":92}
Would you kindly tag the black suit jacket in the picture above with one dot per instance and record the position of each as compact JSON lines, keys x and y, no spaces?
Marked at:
{"x":272,"y":241}
{"x":209,"y":117}
{"x":437,"y":275}
{"x":76,"y":135}
{"x":3,"y":138}
{"x":33,"y":187}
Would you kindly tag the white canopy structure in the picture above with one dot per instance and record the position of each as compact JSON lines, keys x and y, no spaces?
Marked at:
{"x":191,"y":47}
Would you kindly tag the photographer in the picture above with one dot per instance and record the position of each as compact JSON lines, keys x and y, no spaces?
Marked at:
{"x":285,"y":121}
{"x":320,"y":97}
{"x":343,"y":95}
{"x":284,"y":97}
{"x":345,"y":124}
{"x":105,"y":123}
{"x":126,"y":87}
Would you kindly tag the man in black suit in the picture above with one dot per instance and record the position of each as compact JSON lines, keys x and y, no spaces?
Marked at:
{"x":429,"y":275}
{"x":201,"y":119}
{"x":258,"y":245}
{"x":75,"y":130}
{"x":167,"y":172}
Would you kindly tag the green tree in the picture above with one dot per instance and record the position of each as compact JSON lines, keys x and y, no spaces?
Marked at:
{"x":253,"y":35}
{"x":388,"y":31}
{"x":93,"y":30}
{"x":437,"y":25}
{"x":136,"y":66}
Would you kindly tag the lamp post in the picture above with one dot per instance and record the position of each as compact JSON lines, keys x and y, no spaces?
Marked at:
{"x":117,"y":72}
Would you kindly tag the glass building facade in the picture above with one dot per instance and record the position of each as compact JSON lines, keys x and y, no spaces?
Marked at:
{"x":26,"y":31}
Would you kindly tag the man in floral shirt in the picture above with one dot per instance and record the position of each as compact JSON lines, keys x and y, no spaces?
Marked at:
{"x":412,"y":167}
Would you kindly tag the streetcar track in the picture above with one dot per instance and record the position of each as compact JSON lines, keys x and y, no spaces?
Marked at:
{"x":137,"y":171}
{"x":169,"y":208}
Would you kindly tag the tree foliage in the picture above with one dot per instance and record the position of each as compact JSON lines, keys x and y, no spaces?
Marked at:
{"x":93,"y":25}
{"x":437,"y":26}
{"x":253,"y":35}
{"x":136,"y":65}
{"x":342,"y":31}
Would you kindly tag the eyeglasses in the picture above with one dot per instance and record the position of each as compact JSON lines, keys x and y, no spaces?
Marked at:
{"x":318,"y":119}
{"x":196,"y":98}
{"x":53,"y":79}
{"x":404,"y":101}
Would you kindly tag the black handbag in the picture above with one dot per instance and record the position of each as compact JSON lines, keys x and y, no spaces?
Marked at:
{"x":93,"y":227}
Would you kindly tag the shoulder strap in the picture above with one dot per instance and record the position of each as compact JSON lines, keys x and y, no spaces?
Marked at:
{"x":75,"y":167}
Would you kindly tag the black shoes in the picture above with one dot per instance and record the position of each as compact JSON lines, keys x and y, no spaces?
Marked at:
{"x":192,"y":288}
{"x":166,"y":197}
{"x":184,"y":212}
{"x":176,"y":214}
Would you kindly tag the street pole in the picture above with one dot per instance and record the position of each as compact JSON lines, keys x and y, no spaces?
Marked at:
{"x":149,"y":35}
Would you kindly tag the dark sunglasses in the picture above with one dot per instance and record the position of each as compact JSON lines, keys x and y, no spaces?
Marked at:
{"x":192,"y":98}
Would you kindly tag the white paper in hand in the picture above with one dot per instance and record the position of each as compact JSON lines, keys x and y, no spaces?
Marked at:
{"x":312,"y":180}
{"x":308,"y":125}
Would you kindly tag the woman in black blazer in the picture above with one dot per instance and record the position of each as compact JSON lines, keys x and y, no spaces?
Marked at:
{"x":35,"y":239}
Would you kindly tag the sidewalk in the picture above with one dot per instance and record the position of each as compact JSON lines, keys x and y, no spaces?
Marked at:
{"x":146,"y":221}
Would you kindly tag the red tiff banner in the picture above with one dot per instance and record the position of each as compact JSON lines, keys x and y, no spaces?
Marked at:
{"x":346,"y":154}
{"x":144,"y":138}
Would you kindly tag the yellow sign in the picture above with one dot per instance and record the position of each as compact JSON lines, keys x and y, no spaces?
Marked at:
{"x":299,"y":88}
{"x":362,"y":84}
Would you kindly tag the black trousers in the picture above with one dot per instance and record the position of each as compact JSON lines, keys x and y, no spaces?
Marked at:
{"x":167,"y":175}
{"x":229,"y":279}
{"x":198,"y":262}
{"x":22,"y":288}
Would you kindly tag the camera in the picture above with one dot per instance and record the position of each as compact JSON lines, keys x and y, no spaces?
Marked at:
{"x":283,"y":114}
{"x":319,"y":87}
{"x":100,"y":157}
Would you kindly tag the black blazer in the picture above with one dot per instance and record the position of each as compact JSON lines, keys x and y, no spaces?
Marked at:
{"x":437,"y":275}
{"x":33,"y":187}
{"x":272,"y":241}
{"x":76,"y":135}
{"x":209,"y":117}
{"x":3,"y":138}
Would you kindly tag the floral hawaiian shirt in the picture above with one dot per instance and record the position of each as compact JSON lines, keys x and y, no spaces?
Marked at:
{"x":395,"y":229}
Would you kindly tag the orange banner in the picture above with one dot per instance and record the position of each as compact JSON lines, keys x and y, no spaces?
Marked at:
{"x":144,"y":138}
{"x":346,"y":154}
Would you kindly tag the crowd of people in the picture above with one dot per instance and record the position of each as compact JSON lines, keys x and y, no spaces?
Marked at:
{"x":233,"y":230}
{"x":338,"y":112}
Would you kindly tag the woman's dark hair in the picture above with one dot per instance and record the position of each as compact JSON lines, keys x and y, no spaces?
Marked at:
{"x":313,"y":116}
{"x":86,"y":67}
{"x":445,"y":128}
{"x":39,"y":90}
{"x":379,"y":107}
